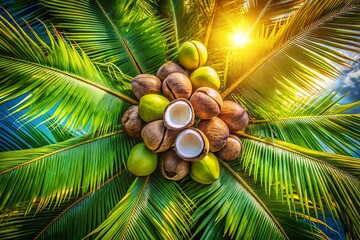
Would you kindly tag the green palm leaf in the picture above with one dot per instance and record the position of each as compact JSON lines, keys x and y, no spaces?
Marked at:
{"x":81,"y":96}
{"x":351,"y":165}
{"x":153,"y":208}
{"x":15,"y":225}
{"x":229,"y":208}
{"x":267,"y":14}
{"x":181,"y":18}
{"x":287,"y":172}
{"x":80,"y":215}
{"x":59,"y":171}
{"x":28,"y":10}
{"x":15,"y":136}
{"x":297,"y":167}
{"x":89,"y":211}
{"x":308,"y":62}
{"x":320,"y":123}
{"x":118,"y":32}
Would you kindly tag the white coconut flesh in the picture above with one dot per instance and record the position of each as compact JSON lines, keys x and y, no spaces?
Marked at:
{"x":189,"y":144}
{"x":178,"y":114}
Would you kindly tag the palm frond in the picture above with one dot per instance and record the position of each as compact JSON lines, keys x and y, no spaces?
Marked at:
{"x":288,"y":172}
{"x":153,"y":208}
{"x":16,"y":135}
{"x":81,"y":97}
{"x":223,"y":16}
{"x":228,"y":209}
{"x":89,"y":211}
{"x":308,"y":43}
{"x":295,"y":224}
{"x":181,"y":18}
{"x":220,"y":18}
{"x":269,"y":13}
{"x":15,"y":225}
{"x":118,"y":32}
{"x":73,"y":219}
{"x":56,"y":172}
{"x":351,"y":165}
{"x":28,"y":10}
{"x":320,"y":123}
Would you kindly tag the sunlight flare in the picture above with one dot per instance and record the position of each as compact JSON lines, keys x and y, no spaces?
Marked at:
{"x":240,"y":39}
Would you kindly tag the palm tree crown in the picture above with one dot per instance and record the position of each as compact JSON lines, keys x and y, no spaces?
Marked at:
{"x":69,"y":65}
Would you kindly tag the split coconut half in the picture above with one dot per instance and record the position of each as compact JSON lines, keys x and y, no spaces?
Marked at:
{"x":179,"y":114}
{"x":191,"y":145}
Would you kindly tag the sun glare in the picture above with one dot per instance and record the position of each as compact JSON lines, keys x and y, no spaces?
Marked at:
{"x":240,"y":39}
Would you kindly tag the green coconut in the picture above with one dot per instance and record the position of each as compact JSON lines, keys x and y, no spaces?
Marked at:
{"x":141,"y":161}
{"x":152,"y":107}
{"x":205,"y":77}
{"x":192,"y":54}
{"x":205,"y":171}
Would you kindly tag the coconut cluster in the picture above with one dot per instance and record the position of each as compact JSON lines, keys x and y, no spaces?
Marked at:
{"x":182,"y":119}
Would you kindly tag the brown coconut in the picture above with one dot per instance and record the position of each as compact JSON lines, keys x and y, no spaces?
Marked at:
{"x":191,"y":145}
{"x":207,"y":103}
{"x":177,"y":85}
{"x":144,"y":84}
{"x":234,"y":115}
{"x":179,"y":114}
{"x":216,"y":131}
{"x":157,"y":137}
{"x":131,"y":122}
{"x":172,"y":167}
{"x":232,"y":149}
{"x":168,"y":68}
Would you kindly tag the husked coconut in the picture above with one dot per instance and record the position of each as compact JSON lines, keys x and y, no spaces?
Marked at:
{"x":168,"y":68}
{"x":216,"y":131}
{"x":191,"y":145}
{"x":179,"y":115}
{"x":232,"y":149}
{"x":144,"y":84}
{"x":132,"y":122}
{"x":207,"y":103}
{"x":172,"y":167}
{"x":157,"y":137}
{"x":177,"y":85}
{"x":234,"y":115}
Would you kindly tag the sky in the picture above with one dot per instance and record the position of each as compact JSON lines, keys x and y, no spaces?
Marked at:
{"x":349,"y":82}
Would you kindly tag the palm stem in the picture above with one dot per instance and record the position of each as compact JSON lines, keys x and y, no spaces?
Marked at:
{"x":175,"y":24}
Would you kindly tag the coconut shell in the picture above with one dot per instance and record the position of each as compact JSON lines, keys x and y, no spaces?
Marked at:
{"x":207,"y":103}
{"x":216,"y":131}
{"x":177,"y":112}
{"x":144,"y":84}
{"x":232,"y":149}
{"x":202,"y":154}
{"x":234,"y":115}
{"x":157,"y":137}
{"x":168,"y":68}
{"x":172,"y":167}
{"x":177,"y":85}
{"x":131,"y":122}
